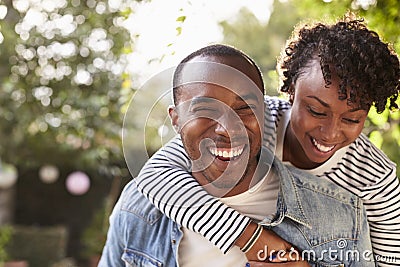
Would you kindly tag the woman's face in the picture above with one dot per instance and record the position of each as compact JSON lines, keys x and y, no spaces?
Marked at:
{"x":320,"y":122}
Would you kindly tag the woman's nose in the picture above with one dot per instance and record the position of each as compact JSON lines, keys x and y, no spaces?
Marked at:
{"x":331,"y":130}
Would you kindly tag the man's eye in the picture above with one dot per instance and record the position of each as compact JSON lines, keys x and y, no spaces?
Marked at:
{"x":244,"y":108}
{"x":208,"y":112}
{"x":201,"y":109}
{"x":250,"y":108}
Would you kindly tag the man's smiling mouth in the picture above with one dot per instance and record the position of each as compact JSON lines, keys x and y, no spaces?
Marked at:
{"x":226,"y":154}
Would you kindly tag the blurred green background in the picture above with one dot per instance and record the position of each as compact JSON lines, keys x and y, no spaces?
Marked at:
{"x":67,"y":77}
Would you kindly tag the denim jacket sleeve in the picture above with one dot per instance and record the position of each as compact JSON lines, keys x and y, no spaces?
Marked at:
{"x":139,"y":234}
{"x":114,"y":247}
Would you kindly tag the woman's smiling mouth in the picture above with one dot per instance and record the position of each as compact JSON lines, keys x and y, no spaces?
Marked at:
{"x":321,"y":147}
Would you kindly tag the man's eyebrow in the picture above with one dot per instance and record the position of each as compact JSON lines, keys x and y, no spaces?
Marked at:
{"x":201,"y":99}
{"x":327,"y":105}
{"x":250,"y":96}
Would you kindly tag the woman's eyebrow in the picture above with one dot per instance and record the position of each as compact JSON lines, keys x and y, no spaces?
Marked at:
{"x":327,"y":105}
{"x":319,"y":100}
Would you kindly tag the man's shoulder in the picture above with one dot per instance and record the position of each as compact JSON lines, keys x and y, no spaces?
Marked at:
{"x":135,"y":203}
{"x":137,"y":231}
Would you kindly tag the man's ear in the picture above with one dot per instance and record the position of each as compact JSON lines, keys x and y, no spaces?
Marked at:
{"x":173,"y":114}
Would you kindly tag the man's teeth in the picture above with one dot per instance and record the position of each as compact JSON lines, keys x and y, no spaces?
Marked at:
{"x":322,"y":148}
{"x":227,"y":153}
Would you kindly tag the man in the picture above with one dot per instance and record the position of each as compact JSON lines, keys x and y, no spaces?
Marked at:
{"x":218,"y":112}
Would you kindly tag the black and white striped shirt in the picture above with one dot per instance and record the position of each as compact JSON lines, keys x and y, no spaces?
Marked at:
{"x":360,"y":168}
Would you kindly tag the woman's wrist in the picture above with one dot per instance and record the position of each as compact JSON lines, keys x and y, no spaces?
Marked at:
{"x":246,"y":235}
{"x":253,"y":239}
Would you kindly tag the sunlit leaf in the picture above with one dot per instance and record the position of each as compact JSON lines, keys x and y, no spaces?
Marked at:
{"x":376,"y":138}
{"x":181,"y":18}
{"x":179,"y":30}
{"x":378,"y":119}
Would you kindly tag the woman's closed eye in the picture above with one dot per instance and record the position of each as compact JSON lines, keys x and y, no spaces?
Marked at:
{"x":315,"y":112}
{"x":348,"y":120}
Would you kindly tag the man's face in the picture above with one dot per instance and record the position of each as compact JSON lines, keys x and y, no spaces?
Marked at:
{"x":220,"y":120}
{"x":321,"y":122}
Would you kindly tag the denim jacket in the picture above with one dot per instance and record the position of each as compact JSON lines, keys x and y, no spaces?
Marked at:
{"x":325,"y":222}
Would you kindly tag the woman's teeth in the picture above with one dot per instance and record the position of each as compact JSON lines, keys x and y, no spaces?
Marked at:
{"x":227,"y":152}
{"x":322,"y":148}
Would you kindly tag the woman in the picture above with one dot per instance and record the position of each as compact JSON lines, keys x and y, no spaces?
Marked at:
{"x":332,"y":74}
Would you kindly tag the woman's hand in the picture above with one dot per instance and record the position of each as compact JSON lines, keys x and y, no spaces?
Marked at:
{"x":269,"y":246}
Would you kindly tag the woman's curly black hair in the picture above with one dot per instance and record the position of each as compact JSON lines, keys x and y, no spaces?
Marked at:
{"x":363,"y":63}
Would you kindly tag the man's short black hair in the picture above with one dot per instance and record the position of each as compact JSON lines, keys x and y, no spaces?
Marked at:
{"x":210,"y":50}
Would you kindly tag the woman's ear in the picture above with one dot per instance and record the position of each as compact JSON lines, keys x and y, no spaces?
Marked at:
{"x":173,"y":114}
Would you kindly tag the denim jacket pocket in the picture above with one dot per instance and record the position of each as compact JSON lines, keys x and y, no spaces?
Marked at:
{"x":134,"y":258}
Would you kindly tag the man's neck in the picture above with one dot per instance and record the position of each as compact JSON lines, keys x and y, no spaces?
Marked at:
{"x":251,"y":177}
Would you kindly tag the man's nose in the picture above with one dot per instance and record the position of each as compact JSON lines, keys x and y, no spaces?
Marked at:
{"x":229,"y":124}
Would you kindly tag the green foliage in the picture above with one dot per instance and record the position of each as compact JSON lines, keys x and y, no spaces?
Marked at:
{"x":60,"y":82}
{"x":384,"y":131}
{"x":39,"y":246}
{"x":383,"y":16}
{"x":94,"y":236}
{"x":264,"y":42}
{"x":5,"y":236}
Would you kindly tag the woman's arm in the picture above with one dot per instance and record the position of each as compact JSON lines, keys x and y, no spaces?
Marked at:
{"x":367,"y":172}
{"x":165,"y":180}
{"x":383,"y":212}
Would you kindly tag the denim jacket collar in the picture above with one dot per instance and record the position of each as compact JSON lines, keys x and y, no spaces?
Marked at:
{"x":289,"y":203}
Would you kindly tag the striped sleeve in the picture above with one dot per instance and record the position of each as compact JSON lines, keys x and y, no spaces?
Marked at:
{"x":166,"y":182}
{"x":275,"y":108}
{"x":367,"y":172}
